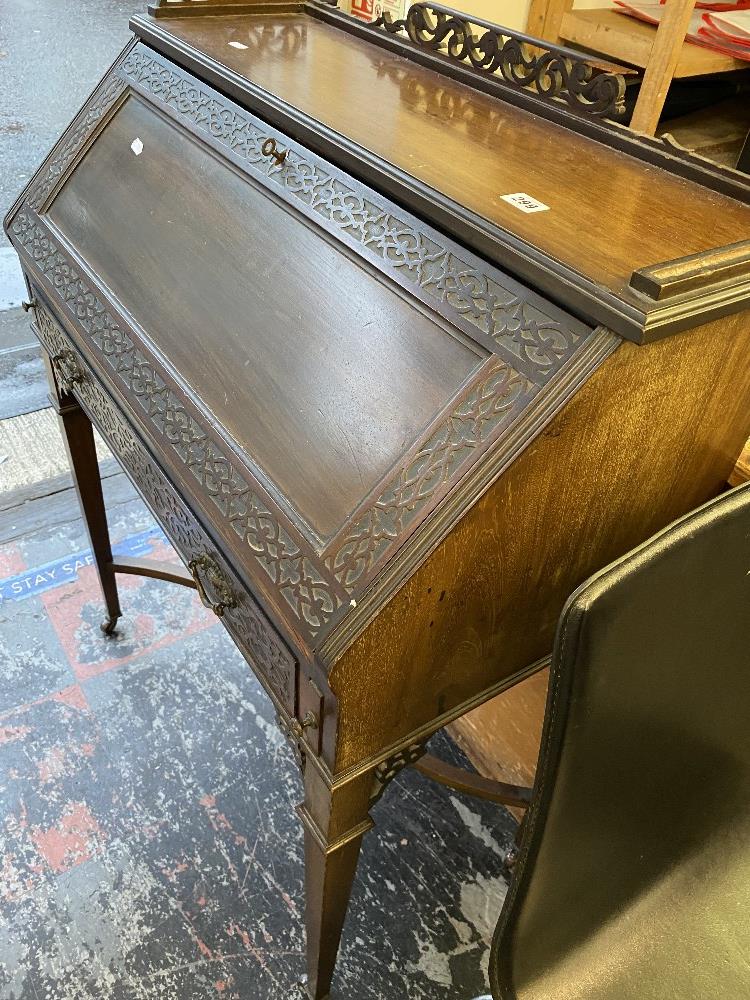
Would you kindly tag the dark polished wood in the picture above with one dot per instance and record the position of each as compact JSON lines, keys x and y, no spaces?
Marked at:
{"x":335,"y":823}
{"x":693,"y":273}
{"x":278,"y":325}
{"x":78,"y":438}
{"x":482,"y":149}
{"x":156,"y":569}
{"x":654,"y":446}
{"x":191,"y":8}
{"x":366,"y":398}
{"x":473,"y":784}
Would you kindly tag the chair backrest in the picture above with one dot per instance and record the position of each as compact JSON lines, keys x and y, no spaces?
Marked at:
{"x":633,"y":881}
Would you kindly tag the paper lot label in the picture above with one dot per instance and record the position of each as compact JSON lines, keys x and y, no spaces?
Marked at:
{"x":525,"y":202}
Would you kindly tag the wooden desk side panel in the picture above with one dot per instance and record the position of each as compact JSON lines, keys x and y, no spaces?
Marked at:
{"x":655,"y":432}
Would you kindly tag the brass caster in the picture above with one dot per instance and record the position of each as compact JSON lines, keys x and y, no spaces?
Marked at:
{"x":109,"y":627}
{"x":301,"y":991}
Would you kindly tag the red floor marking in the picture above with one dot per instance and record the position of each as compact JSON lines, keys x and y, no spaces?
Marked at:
{"x":63,"y":760}
{"x":52,"y":765}
{"x":144,"y":632}
{"x":75,"y":839}
{"x":73,"y":696}
{"x":11,"y":560}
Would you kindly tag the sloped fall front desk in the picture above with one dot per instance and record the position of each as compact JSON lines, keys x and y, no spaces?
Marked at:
{"x":388,"y":417}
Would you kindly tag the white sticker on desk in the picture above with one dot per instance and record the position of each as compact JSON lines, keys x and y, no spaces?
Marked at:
{"x":525,"y":202}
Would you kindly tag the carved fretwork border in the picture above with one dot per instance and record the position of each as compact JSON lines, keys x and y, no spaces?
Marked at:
{"x":490,"y":406}
{"x":550,"y":72}
{"x":245,"y":619}
{"x":507,"y":318}
{"x":88,"y":121}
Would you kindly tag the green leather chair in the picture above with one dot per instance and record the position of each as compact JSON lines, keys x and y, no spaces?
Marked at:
{"x":633,"y":877}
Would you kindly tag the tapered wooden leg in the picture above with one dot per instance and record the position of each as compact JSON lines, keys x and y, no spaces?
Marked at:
{"x":78,"y":435}
{"x":335,"y":821}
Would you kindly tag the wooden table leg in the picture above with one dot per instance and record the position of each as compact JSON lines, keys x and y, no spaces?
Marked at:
{"x":78,"y":435}
{"x":335,"y":822}
{"x":336,"y":819}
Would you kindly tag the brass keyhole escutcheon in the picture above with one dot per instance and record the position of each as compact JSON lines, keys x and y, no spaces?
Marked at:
{"x":269,"y":148}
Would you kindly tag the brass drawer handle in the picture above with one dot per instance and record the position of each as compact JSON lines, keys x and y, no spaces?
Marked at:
{"x":217,"y":582}
{"x":67,"y":370}
{"x":297,"y":728}
{"x":269,"y":148}
{"x":31,"y":304}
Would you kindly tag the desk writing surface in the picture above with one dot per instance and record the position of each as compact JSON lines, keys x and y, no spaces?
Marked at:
{"x":320,"y":372}
{"x":610,"y":214}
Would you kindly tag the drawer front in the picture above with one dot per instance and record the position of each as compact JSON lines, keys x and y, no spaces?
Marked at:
{"x":249,"y":627}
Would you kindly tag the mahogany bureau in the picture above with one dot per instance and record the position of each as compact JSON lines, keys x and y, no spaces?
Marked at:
{"x":400,"y":335}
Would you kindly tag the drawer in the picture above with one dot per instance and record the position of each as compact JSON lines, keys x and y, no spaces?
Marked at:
{"x":256,"y":637}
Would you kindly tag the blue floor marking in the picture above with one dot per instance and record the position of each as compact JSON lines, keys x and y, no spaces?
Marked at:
{"x":61,"y":571}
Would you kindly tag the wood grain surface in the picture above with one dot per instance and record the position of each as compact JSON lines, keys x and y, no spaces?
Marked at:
{"x":253,"y":368}
{"x":476,"y":149}
{"x":669,"y":41}
{"x":741,"y":471}
{"x":319,"y":371}
{"x":621,"y":37}
{"x":654,"y":432}
{"x":502,"y":737}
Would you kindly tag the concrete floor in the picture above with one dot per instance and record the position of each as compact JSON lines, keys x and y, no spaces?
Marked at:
{"x":148,"y":843}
